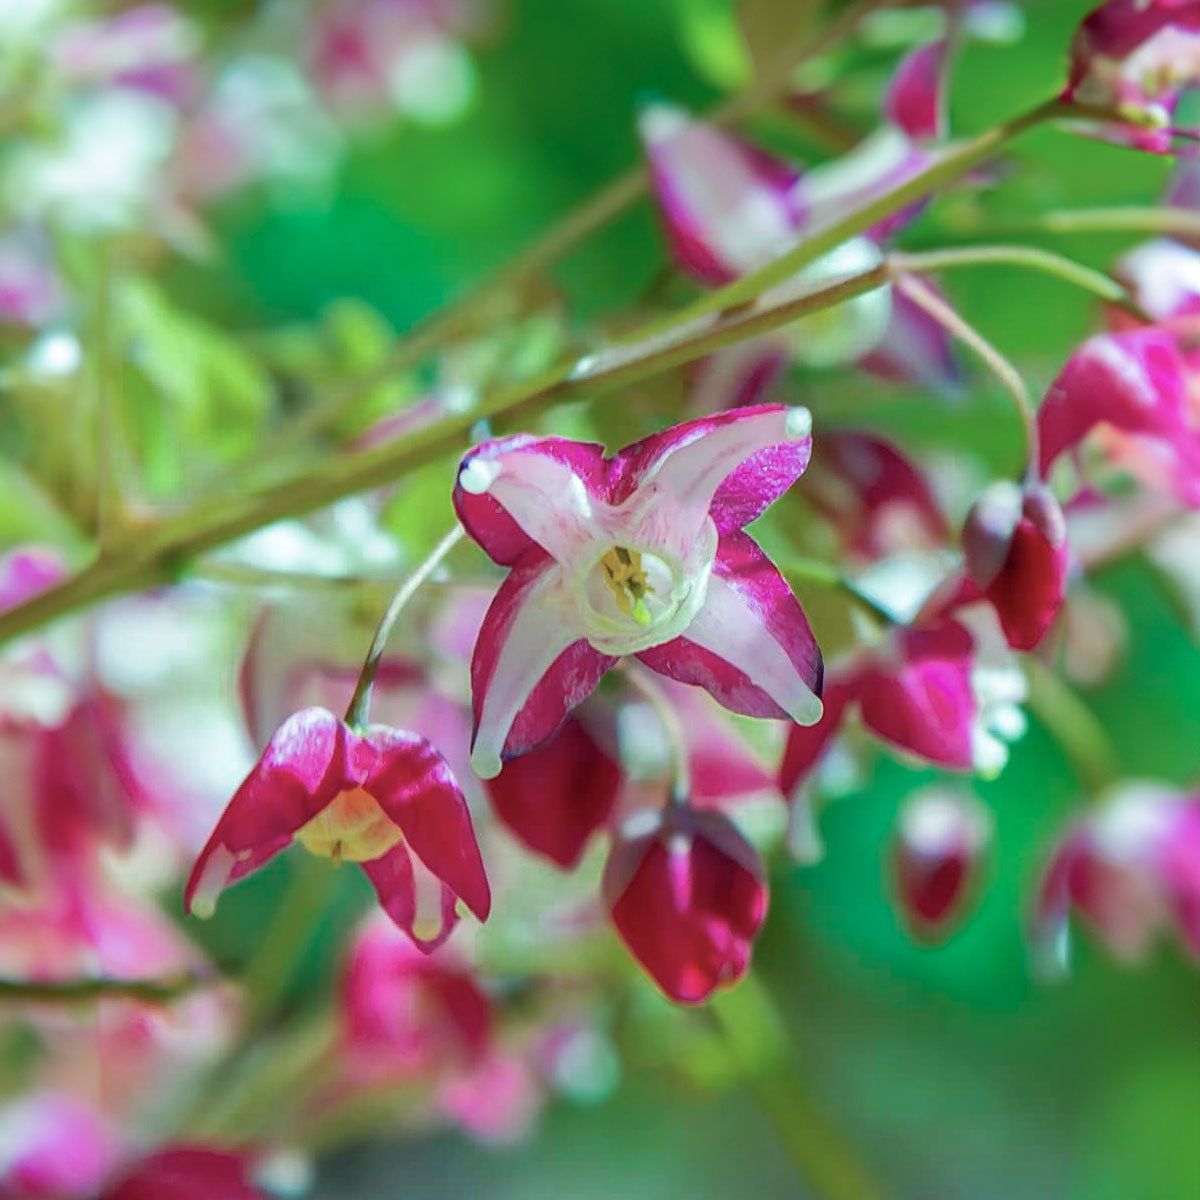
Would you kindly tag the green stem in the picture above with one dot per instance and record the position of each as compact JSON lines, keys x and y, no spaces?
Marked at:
{"x":285,"y":940}
{"x":925,"y":298}
{"x":756,"y":1036}
{"x":76,"y":991}
{"x":593,"y":214}
{"x":161,"y":551}
{"x":358,"y":710}
{"x":1031,"y":257}
{"x":646,"y":684}
{"x":1077,"y":730}
{"x":1116,"y":219}
{"x":950,"y":166}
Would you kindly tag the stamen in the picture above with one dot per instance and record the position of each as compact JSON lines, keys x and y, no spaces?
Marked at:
{"x":626,"y":578}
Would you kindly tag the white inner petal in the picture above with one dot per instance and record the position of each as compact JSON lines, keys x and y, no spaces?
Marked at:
{"x":728,"y":627}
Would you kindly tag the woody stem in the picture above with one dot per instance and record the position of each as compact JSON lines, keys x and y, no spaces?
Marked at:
{"x":358,"y":710}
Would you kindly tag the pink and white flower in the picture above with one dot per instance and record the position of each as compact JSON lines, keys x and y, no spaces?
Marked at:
{"x":639,"y":554}
{"x":379,"y":797}
{"x":931,"y":691}
{"x":1130,"y":392}
{"x":687,"y":894}
{"x":1134,"y":57}
{"x":1015,"y":551}
{"x":936,"y":852}
{"x":1131,"y":869}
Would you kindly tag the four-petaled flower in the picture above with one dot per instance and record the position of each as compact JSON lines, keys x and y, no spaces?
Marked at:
{"x":380,"y":797}
{"x":639,"y":554}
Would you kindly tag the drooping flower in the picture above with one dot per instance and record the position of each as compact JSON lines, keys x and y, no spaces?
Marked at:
{"x":931,"y":691}
{"x":1134,"y":57}
{"x":687,"y":894}
{"x":187,"y":1173}
{"x":382,"y":798}
{"x":1131,"y":869}
{"x":877,"y":499}
{"x":639,"y":554}
{"x":404,"y":1013}
{"x":728,"y":207}
{"x":557,"y":796}
{"x":1130,"y":391}
{"x":1015,"y":551}
{"x":937,"y":847}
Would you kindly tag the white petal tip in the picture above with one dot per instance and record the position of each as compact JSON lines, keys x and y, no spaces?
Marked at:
{"x":660,"y":122}
{"x":798,"y":423}
{"x":807,"y":710}
{"x":478,"y":475}
{"x":485,"y":763}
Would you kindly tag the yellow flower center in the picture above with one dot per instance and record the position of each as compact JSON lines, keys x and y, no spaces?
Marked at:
{"x":626,"y":578}
{"x":352,"y":828}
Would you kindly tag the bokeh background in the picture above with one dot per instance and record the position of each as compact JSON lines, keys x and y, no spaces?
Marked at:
{"x":953,"y":1070}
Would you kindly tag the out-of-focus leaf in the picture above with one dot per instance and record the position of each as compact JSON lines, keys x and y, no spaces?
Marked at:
{"x":218,"y":393}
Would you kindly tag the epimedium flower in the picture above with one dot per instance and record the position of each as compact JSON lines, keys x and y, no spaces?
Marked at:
{"x":1134,"y":57}
{"x":877,"y":499}
{"x":638,"y":554}
{"x":1015,"y":552}
{"x":1130,"y":867}
{"x":727,"y":207}
{"x":931,"y":691}
{"x":379,"y":797}
{"x":687,"y":894}
{"x":936,"y":853}
{"x":1129,"y":392}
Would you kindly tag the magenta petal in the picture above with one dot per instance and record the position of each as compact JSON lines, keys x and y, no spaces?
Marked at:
{"x":301,"y":770}
{"x":726,"y":206}
{"x":688,"y":902}
{"x":187,"y":1173}
{"x":915,"y":99}
{"x":557,"y":796}
{"x":1137,"y":383}
{"x":925,"y":704}
{"x":395,"y":885}
{"x":750,"y":646}
{"x":525,"y":673}
{"x":876,"y":497}
{"x":761,"y":452}
{"x":414,"y":786}
{"x":487,"y":521}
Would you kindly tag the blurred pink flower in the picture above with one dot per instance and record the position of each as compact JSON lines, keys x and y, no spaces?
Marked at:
{"x":1131,"y":392}
{"x":383,"y":798}
{"x":54,"y":1146}
{"x":1131,"y":869}
{"x":637,"y":554}
{"x":936,"y":853}
{"x":1134,"y":57}
{"x":878,"y":500}
{"x":151,"y":48}
{"x":687,"y":894}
